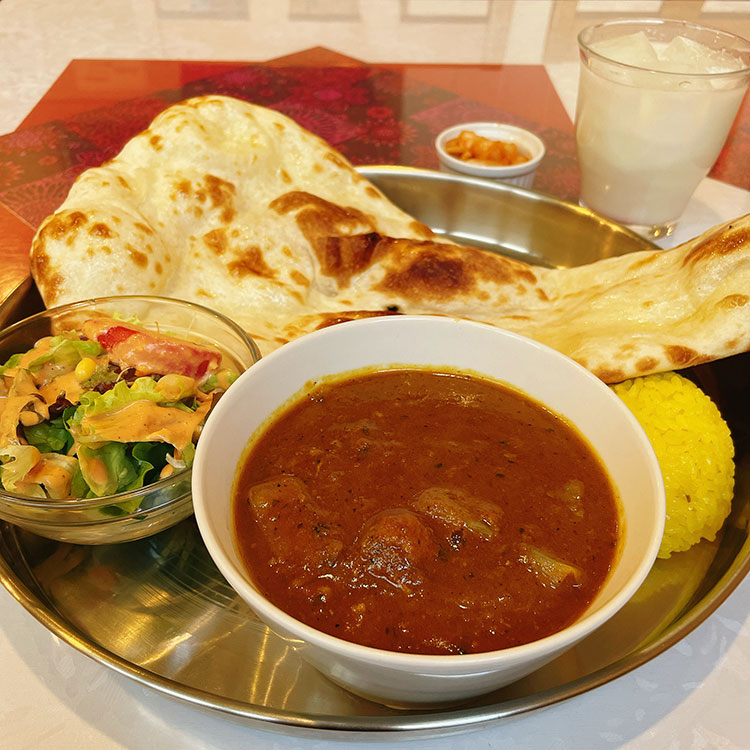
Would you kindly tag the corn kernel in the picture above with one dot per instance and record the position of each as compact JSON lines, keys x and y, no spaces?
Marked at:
{"x":85,"y":369}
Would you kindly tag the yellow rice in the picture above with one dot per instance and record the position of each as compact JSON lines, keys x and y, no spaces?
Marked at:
{"x":695,"y":451}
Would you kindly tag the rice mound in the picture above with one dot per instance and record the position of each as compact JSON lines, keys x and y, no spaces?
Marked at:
{"x":695,"y":452}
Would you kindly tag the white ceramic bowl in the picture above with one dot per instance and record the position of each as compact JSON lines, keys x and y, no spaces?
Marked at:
{"x":549,"y":377}
{"x":517,"y":174}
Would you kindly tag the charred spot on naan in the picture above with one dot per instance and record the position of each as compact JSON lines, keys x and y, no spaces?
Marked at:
{"x":317,"y":217}
{"x":218,"y":192}
{"x":646,"y":365}
{"x":216,"y":240}
{"x":428,"y":274}
{"x":250,"y":261}
{"x":433,"y":271}
{"x":683,"y":356}
{"x":183,"y":189}
{"x":343,"y":257}
{"x":338,"y":161}
{"x":299,"y":278}
{"x":733,"y":300}
{"x":140,"y":226}
{"x":140,"y":259}
{"x":675,"y":357}
{"x":609,"y":374}
{"x":63,"y":226}
{"x":421,"y":230}
{"x":645,"y":259}
{"x":102,"y":230}
{"x":47,"y":276}
{"x":723,"y":242}
{"x":341,"y":237}
{"x":221,"y":193}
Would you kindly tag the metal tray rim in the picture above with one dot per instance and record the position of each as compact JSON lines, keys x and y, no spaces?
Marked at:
{"x":407,"y":722}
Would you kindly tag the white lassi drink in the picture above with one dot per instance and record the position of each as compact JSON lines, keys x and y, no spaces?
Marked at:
{"x":651,"y":119}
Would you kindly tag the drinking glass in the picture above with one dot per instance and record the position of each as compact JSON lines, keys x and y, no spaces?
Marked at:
{"x":656,"y":101}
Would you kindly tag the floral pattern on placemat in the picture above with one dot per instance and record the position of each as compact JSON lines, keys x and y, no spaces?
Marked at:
{"x":37,"y":199}
{"x":40,"y":153}
{"x":105,"y":127}
{"x":372,"y":115}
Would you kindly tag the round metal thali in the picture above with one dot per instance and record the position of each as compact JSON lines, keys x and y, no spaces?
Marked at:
{"x":158,"y":611}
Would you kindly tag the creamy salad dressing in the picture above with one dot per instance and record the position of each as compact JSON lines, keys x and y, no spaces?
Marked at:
{"x":145,"y":421}
{"x":106,"y":411}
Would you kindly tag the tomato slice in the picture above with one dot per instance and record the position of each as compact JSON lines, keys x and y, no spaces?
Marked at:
{"x":152,"y":353}
{"x":114,"y":335}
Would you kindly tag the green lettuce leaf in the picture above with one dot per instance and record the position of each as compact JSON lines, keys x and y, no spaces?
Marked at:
{"x":48,"y":482}
{"x":142,"y":389}
{"x":12,"y":362}
{"x":18,"y":461}
{"x":49,"y":437}
{"x":154,"y":454}
{"x":142,"y":466}
{"x":107,"y":469}
{"x":188,"y":455}
{"x":78,"y":486}
{"x":128,"y":467}
{"x":211,"y":383}
{"x":65,"y":350}
{"x":49,"y":477}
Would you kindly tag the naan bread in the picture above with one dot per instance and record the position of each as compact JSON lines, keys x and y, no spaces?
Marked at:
{"x":236,"y":207}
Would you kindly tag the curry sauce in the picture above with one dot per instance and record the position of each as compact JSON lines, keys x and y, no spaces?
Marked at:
{"x":425,"y":512}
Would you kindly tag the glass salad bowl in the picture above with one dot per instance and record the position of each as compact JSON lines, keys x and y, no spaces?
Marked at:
{"x":146,"y":500}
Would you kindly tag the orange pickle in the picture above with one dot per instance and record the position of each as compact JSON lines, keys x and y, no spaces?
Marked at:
{"x":470,"y":147}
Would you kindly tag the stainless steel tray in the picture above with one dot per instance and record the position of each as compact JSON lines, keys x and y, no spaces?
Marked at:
{"x":158,"y":611}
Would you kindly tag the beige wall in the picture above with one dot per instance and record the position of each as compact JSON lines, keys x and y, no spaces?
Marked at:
{"x":489,"y":31}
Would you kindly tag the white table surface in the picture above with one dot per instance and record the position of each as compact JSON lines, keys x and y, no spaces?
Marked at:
{"x":695,"y":695}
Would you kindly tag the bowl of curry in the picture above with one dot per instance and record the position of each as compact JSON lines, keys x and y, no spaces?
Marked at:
{"x":429,"y":508}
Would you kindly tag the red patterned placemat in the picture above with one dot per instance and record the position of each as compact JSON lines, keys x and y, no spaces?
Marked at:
{"x":373,"y":115}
